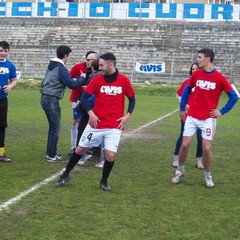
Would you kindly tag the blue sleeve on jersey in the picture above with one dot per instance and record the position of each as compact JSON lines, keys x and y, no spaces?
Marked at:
{"x":131,"y":104}
{"x":185,"y":96}
{"x":91,"y":101}
{"x":84,"y":101}
{"x":233,"y":98}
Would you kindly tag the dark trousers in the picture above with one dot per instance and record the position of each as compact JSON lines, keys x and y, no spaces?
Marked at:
{"x":82,"y":125}
{"x":52,"y":109}
{"x":3,"y":120}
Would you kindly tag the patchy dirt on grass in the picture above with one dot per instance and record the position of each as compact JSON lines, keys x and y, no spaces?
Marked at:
{"x":141,"y":135}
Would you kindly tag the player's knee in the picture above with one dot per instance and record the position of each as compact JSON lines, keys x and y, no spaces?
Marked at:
{"x":79,"y":150}
{"x":110,"y":156}
{"x":206,"y":149}
{"x":185,"y":146}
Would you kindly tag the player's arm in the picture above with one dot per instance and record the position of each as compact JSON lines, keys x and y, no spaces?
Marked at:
{"x":11,"y":85}
{"x":233,"y":98}
{"x":68,"y":80}
{"x":13,"y":82}
{"x":131,"y":106}
{"x":93,"y":119}
{"x":183,"y":102}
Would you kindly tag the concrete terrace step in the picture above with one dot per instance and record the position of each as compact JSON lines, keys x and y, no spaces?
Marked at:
{"x":34,"y":41}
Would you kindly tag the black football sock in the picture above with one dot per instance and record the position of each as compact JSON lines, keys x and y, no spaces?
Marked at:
{"x":107,"y":168}
{"x":72,"y":163}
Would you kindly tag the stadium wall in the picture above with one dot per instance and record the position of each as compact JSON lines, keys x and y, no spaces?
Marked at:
{"x":34,"y":41}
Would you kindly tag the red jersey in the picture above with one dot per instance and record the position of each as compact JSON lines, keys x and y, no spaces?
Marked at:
{"x":208,"y":89}
{"x":74,"y":73}
{"x":181,"y":89}
{"x":109,"y":99}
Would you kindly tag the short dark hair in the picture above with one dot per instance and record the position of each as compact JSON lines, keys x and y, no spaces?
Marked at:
{"x":207,"y":52}
{"x":5,"y":45}
{"x":109,"y":57}
{"x":89,"y":52}
{"x":62,"y":51}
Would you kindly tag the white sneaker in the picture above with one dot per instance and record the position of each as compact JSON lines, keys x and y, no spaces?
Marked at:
{"x":209,"y":182}
{"x":100,"y":165}
{"x":177,"y":177}
{"x":175,"y":161}
{"x":57,"y":158}
{"x":81,"y":162}
{"x":199,"y":163}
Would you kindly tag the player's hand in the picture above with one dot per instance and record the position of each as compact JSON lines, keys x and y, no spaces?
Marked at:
{"x":182,"y":115}
{"x":82,"y":74}
{"x":123,"y":121}
{"x":187,"y":108}
{"x":93,"y":119}
{"x":7,"y":88}
{"x":215,"y":113}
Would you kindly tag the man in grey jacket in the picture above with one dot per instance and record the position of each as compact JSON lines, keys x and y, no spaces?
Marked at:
{"x":52,"y":89}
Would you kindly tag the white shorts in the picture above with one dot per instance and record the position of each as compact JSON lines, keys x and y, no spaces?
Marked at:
{"x":92,"y":137}
{"x":207,"y":126}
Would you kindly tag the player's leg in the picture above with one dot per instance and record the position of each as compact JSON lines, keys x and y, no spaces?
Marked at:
{"x":101,"y":163}
{"x":189,"y":130}
{"x":199,"y":153}
{"x":76,"y":155}
{"x":207,"y":162}
{"x":178,"y":146}
{"x":74,"y":128}
{"x":207,"y":155}
{"x":3,"y":125}
{"x":82,"y":125}
{"x":90,"y":137}
{"x":208,"y":132}
{"x":111,"y":142}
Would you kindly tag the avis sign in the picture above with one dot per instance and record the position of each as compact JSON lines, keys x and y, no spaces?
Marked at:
{"x":150,"y":67}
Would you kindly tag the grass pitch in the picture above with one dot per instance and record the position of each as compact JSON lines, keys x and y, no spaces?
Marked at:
{"x":143,"y":203}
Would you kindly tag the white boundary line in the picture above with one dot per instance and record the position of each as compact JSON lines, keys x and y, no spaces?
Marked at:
{"x":5,"y":205}
{"x":154,"y":121}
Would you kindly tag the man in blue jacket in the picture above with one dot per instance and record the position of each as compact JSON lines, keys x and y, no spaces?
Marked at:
{"x":52,"y":89}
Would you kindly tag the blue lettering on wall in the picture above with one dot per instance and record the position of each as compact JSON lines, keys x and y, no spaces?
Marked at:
{"x":226,"y":12}
{"x":99,"y":10}
{"x":171,"y":14}
{"x":151,"y":68}
{"x":52,"y":9}
{"x":135,"y":10}
{"x":73,"y":10}
{"x":3,"y":5}
{"x":159,"y":68}
{"x":189,"y":8}
{"x":17,"y":12}
{"x":117,"y":10}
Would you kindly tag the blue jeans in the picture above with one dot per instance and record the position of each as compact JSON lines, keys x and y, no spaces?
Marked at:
{"x":179,"y":142}
{"x":52,"y":110}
